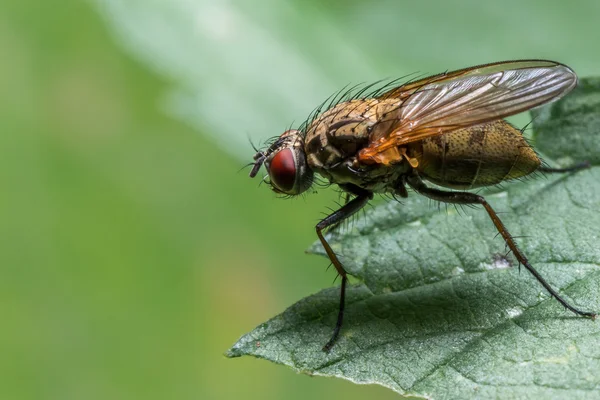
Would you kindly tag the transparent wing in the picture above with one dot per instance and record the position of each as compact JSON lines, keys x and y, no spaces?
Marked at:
{"x":468,"y":97}
{"x":409,"y":88}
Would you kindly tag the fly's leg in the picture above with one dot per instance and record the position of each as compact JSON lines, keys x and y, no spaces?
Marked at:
{"x":337,"y":224}
{"x":350,"y":208}
{"x":572,"y":168}
{"x":470,"y":198}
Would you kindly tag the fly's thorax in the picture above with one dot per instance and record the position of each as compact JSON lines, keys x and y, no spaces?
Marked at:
{"x":340,"y":132}
{"x":334,"y":139}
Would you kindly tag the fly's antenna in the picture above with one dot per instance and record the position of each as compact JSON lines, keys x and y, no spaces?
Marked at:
{"x":259,"y":159}
{"x":245,"y":166}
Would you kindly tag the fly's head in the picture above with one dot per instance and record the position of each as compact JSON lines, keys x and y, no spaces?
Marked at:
{"x":286,"y":164}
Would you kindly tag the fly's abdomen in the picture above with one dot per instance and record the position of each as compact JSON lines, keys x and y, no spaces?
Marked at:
{"x":477,"y":156}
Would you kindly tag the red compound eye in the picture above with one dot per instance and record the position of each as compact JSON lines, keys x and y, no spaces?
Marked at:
{"x":283,"y":170}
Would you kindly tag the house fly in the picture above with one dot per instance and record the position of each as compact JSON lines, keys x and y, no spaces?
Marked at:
{"x":447,"y":129}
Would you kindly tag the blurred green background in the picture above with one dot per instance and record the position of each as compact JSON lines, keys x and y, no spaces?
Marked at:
{"x":133,"y":252}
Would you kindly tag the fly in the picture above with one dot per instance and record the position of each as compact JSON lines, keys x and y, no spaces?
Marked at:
{"x":447,"y":129}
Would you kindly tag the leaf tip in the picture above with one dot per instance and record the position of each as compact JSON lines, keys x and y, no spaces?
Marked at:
{"x":246,"y":345}
{"x":234,"y":351}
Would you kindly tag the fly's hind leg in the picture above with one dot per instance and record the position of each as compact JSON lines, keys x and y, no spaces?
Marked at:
{"x":470,"y":198}
{"x":349,"y":209}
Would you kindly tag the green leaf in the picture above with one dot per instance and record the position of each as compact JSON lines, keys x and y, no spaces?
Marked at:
{"x":439,"y":313}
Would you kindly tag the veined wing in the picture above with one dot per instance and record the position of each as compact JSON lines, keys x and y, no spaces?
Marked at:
{"x":463,"y":98}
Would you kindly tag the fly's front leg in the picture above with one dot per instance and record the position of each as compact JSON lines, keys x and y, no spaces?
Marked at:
{"x":470,"y":198}
{"x":349,"y":209}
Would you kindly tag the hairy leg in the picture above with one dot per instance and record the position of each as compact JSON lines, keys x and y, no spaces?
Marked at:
{"x":470,"y":198}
